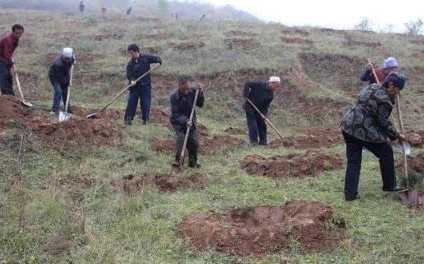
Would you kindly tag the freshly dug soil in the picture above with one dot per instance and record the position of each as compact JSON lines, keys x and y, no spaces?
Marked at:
{"x":82,"y":133}
{"x":236,"y":131}
{"x":207,"y":145}
{"x":309,"y":164}
{"x":318,"y":138}
{"x":164,"y":183}
{"x":264,"y":229}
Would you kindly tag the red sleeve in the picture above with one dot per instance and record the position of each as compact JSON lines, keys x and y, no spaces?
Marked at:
{"x":6,"y":51}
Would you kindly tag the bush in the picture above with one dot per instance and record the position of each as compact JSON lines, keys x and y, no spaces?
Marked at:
{"x":414,"y":27}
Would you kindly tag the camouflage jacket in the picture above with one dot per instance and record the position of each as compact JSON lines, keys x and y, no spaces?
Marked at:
{"x":368,"y":118}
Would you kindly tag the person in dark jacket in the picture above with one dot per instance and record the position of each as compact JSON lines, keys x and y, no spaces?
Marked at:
{"x":137,"y":66}
{"x":261,"y":94}
{"x":389,"y":65}
{"x":129,"y":10}
{"x":8,"y":45}
{"x":182,"y":102}
{"x":59,"y":75}
{"x":82,"y":6}
{"x":367,"y":124}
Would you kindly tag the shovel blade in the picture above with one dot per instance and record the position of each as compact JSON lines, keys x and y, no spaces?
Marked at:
{"x":177,"y":166}
{"x":63,"y":117}
{"x":27,"y":104}
{"x":93,"y":115}
{"x":411,"y":198}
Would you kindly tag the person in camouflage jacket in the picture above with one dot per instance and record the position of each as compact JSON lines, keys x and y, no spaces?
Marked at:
{"x":367,"y":124}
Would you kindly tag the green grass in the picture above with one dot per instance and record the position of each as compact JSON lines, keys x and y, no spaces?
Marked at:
{"x":46,"y":218}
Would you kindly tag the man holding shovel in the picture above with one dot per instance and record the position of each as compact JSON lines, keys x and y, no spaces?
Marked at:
{"x":389,"y":65}
{"x":142,"y":90}
{"x":260,"y":95}
{"x":59,"y":75}
{"x":8,"y":45}
{"x":182,"y":104}
{"x":367,"y":124}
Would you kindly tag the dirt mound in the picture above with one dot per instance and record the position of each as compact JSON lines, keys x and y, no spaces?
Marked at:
{"x":295,"y":31}
{"x":297,"y":41}
{"x":417,"y":41}
{"x":239,"y":33}
{"x":81,"y":133}
{"x":245,"y":44}
{"x":264,"y":229}
{"x":184,"y":46}
{"x":106,"y":36}
{"x":415,"y":139}
{"x":236,"y":131}
{"x":352,"y":42}
{"x":164,"y":183}
{"x":324,"y":68}
{"x":318,"y":138}
{"x":207,"y":145}
{"x":309,"y":164}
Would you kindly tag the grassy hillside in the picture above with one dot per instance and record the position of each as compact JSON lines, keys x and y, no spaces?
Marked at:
{"x":67,"y":190}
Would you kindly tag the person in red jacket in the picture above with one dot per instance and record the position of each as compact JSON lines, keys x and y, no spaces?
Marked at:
{"x":389,"y":65}
{"x":8,"y":45}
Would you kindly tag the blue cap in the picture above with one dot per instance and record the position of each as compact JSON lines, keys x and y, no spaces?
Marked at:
{"x":398,"y":80}
{"x":390,"y":63}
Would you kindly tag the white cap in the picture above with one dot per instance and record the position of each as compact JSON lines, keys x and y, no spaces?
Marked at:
{"x":274,"y":79}
{"x":67,"y":52}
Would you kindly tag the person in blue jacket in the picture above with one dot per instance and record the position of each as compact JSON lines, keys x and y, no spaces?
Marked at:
{"x":142,"y":90}
{"x":261,"y":94}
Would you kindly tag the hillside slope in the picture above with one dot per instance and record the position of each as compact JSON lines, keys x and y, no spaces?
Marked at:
{"x":94,"y":191}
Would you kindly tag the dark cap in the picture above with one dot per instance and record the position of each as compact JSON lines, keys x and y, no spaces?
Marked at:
{"x":397,"y":79}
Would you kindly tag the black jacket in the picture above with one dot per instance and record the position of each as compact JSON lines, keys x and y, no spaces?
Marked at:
{"x":181,"y":106}
{"x":260,"y":95}
{"x":136,"y":68}
{"x":59,"y":72}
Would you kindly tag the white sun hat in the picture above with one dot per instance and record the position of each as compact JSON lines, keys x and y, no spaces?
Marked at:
{"x":274,"y":79}
{"x":67,"y":52}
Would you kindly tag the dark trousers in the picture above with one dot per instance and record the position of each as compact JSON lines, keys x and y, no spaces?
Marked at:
{"x":383,"y":151}
{"x":192,"y":145}
{"x":60,"y":92}
{"x":6,"y":80}
{"x":257,"y":128}
{"x":142,"y":94}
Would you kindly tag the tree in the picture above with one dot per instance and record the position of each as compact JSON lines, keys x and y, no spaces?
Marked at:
{"x":364,"y":25}
{"x":414,"y":27}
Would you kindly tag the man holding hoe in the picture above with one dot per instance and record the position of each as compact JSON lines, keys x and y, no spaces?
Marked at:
{"x":182,"y":105}
{"x":367,"y":124}
{"x":260,"y":95}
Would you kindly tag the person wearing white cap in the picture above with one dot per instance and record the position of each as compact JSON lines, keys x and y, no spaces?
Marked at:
{"x":390,"y":65}
{"x":59,"y":75}
{"x":261,"y":94}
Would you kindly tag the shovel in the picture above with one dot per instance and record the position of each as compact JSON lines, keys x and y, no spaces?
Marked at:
{"x":25,"y":103}
{"x":179,"y":165}
{"x":265,"y":118}
{"x":65,"y":116}
{"x":94,"y":115}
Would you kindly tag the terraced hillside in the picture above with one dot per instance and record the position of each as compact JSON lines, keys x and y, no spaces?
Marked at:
{"x":94,"y":191}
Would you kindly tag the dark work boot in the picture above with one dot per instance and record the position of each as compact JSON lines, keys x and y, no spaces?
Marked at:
{"x":128,"y":121}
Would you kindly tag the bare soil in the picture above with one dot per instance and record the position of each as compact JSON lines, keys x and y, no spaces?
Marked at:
{"x":208,"y":146}
{"x":312,"y":138}
{"x":164,"y":183}
{"x":239,"y":43}
{"x":263,"y":230}
{"x":309,"y":164}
